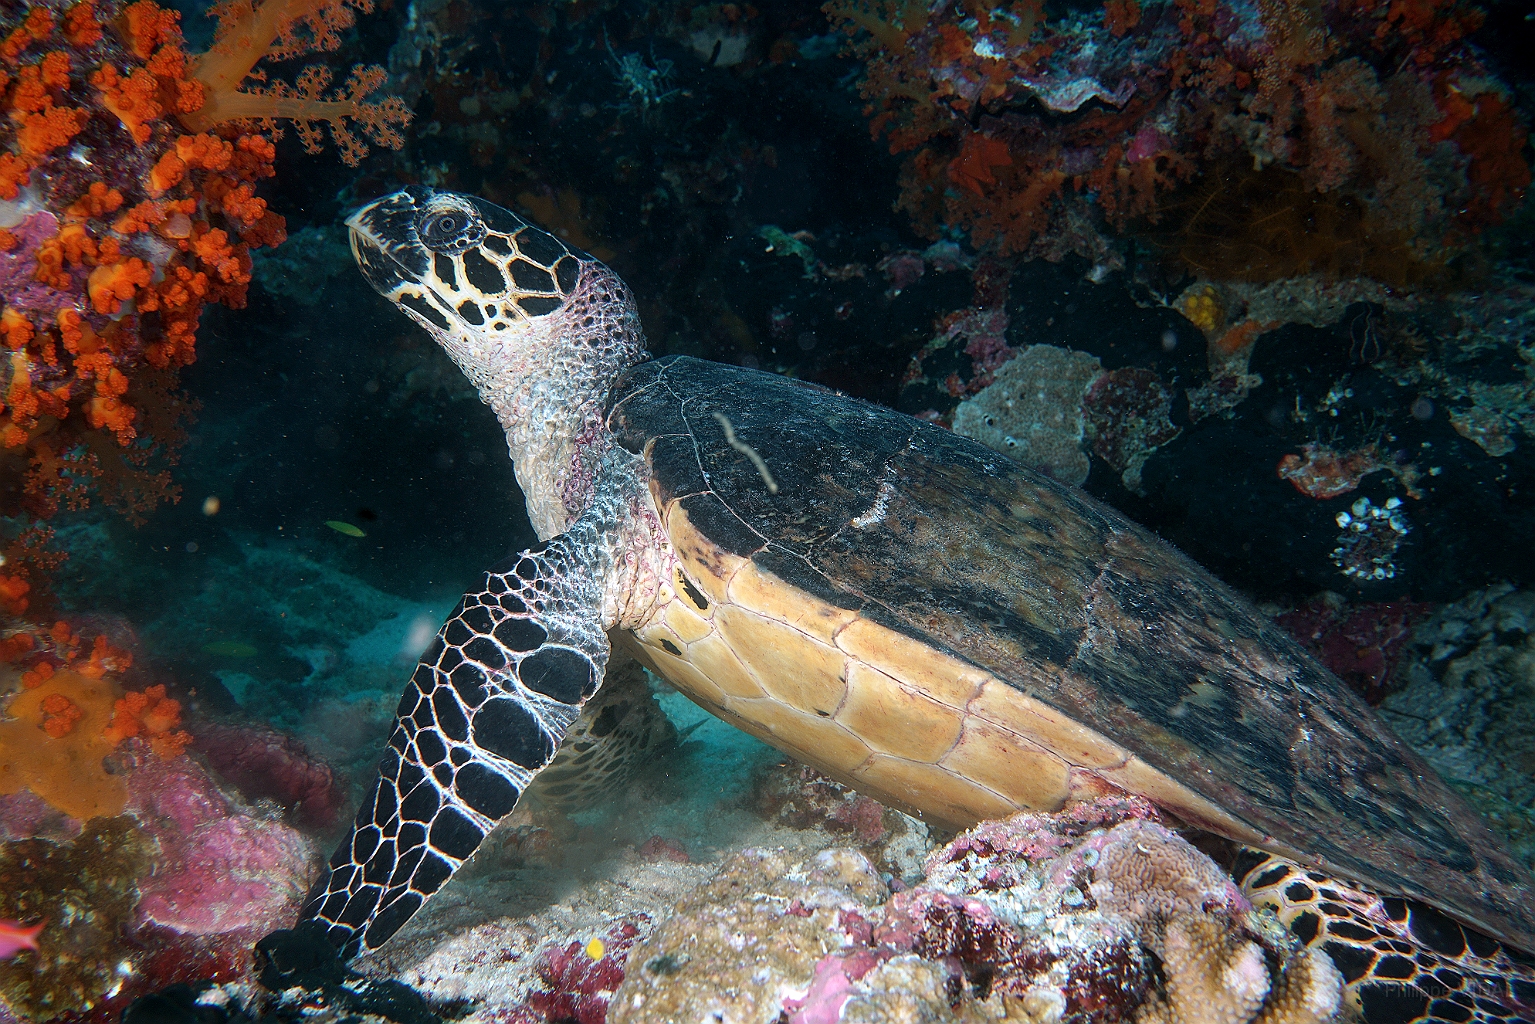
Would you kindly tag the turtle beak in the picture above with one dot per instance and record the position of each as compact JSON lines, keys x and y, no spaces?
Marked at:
{"x":385,"y":243}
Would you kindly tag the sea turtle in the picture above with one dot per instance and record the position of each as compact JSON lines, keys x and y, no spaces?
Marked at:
{"x":902,"y":608}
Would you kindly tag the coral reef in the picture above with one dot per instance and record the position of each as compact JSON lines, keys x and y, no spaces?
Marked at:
{"x":84,"y":891}
{"x":801,"y":797}
{"x":1043,"y":917}
{"x":170,"y":879}
{"x":152,"y":716}
{"x":560,"y":961}
{"x":175,"y":888}
{"x":128,"y":171}
{"x":1466,"y":700}
{"x":1321,"y":134}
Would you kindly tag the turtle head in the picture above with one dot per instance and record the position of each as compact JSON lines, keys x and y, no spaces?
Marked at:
{"x":501,"y":295}
{"x":541,"y":329}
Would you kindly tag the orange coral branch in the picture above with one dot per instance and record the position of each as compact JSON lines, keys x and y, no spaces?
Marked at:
{"x":281,"y":29}
{"x":79,"y":370}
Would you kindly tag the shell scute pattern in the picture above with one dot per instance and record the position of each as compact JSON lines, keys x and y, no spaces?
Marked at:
{"x":1402,"y":961}
{"x":868,"y":705}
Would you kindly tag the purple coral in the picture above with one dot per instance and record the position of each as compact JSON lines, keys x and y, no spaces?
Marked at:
{"x":577,"y":981}
{"x":223,"y":869}
{"x":18,"y":267}
{"x":266,"y":764}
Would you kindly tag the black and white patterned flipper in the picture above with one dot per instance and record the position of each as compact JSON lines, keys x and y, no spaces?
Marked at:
{"x":484,"y":713}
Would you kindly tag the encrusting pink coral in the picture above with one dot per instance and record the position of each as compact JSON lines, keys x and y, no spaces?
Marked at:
{"x":223,"y":869}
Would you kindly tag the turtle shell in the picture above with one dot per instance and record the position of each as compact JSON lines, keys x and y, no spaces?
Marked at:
{"x":924,"y":619}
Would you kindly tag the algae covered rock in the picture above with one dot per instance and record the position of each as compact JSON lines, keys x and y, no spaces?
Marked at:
{"x":85,"y":892}
{"x":1100,"y":914}
{"x":740,"y":947}
{"x":1033,"y":411}
{"x":1468,"y":702}
{"x":1096,"y":915}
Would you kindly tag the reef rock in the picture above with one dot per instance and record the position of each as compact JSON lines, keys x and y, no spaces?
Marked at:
{"x":1033,"y":411}
{"x":746,"y":946}
{"x":1098,"y":914}
{"x":1468,"y":701}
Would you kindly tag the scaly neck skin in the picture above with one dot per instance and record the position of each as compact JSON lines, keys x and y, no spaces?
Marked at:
{"x":548,"y":391}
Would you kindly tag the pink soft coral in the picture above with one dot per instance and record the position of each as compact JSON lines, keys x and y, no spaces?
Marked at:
{"x":224,"y":870}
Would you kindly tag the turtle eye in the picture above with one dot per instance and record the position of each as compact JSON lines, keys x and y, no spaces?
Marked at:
{"x":450,"y":231}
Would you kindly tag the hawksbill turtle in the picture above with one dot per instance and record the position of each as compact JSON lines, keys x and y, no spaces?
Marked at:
{"x":902,"y":608}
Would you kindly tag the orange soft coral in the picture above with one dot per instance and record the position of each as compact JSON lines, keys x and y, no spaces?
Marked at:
{"x":109,"y":286}
{"x":37,"y":27}
{"x":15,"y":329}
{"x":148,"y":26}
{"x":37,"y":675}
{"x":14,"y":175}
{"x":133,"y":243}
{"x":15,"y":646}
{"x":52,"y":743}
{"x":104,"y":658}
{"x":43,"y":132}
{"x":283,"y":29}
{"x":99,"y":200}
{"x":135,"y":99}
{"x":214,"y":250}
{"x":13,"y":594}
{"x":150,"y":715}
{"x":80,"y":25}
{"x":59,"y":715}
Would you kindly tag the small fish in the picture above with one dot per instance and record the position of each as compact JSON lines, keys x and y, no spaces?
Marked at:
{"x":230,"y":649}
{"x":15,"y":937}
{"x":346,"y":528}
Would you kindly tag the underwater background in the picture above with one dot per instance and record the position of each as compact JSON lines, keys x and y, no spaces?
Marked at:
{"x":1257,"y":273}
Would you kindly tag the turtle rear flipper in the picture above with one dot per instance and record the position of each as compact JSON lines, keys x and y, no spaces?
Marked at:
{"x":484,"y":713}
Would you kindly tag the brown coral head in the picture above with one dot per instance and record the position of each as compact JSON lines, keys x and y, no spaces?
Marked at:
{"x":1218,"y":974}
{"x":1145,"y":871}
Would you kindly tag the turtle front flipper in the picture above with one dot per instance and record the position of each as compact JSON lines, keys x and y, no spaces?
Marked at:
{"x":484,"y":713}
